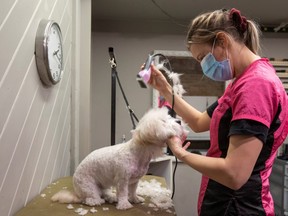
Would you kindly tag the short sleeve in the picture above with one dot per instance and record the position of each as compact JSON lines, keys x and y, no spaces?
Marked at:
{"x":211,"y":108}
{"x":254,"y":100}
{"x":249,"y":127}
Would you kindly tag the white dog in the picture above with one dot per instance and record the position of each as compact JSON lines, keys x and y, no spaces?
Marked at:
{"x":122,"y":165}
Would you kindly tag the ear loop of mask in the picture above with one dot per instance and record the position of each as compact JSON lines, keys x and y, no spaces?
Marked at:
{"x":227,"y":53}
{"x":213,"y":45}
{"x":227,"y":56}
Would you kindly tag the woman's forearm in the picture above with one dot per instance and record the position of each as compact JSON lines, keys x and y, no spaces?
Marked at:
{"x":213,"y":168}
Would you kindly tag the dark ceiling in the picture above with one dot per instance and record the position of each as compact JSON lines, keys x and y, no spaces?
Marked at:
{"x":180,"y":12}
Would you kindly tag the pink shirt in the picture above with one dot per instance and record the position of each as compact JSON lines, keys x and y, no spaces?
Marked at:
{"x":256,"y":95}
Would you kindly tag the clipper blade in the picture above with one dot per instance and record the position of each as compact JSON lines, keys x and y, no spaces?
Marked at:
{"x":141,"y":81}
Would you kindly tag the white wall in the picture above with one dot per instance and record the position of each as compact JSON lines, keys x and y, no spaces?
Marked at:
{"x":34,"y":121}
{"x":131,"y":50}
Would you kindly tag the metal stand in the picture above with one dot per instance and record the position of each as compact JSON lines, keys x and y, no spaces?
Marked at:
{"x":113,"y":100}
{"x":114,"y":78}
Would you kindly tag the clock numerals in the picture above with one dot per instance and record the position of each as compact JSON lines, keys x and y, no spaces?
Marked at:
{"x":56,"y":75}
{"x":49,"y":52}
{"x":55,"y":54}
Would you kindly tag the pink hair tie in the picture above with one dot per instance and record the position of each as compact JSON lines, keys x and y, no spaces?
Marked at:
{"x":240,"y":22}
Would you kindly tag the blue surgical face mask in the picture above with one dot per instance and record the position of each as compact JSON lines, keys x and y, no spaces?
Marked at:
{"x":215,"y":70}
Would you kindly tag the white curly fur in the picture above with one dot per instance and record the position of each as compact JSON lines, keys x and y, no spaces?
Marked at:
{"x":124,"y":164}
{"x":174,"y":77}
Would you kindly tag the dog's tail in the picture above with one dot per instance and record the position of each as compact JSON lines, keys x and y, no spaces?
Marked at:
{"x":65,"y":196}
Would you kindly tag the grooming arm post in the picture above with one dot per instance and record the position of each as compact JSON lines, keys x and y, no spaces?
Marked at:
{"x":113,"y":94}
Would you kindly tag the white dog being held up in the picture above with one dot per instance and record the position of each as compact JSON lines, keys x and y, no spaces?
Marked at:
{"x":122,"y":165}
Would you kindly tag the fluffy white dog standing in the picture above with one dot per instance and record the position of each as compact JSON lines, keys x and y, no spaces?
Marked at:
{"x":122,"y":165}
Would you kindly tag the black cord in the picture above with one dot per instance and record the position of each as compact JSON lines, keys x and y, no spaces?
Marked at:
{"x":173,"y":178}
{"x":176,"y":160}
{"x":163,"y":56}
{"x":173,"y":19}
{"x":173,"y":113}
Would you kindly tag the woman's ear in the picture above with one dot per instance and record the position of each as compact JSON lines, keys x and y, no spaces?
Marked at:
{"x":223,"y":40}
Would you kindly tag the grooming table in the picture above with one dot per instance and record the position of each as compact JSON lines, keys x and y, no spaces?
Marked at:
{"x":43,"y":206}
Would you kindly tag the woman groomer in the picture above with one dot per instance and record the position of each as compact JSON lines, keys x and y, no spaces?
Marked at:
{"x":247,"y":124}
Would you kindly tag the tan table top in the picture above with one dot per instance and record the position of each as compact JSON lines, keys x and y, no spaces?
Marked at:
{"x":42,"y":205}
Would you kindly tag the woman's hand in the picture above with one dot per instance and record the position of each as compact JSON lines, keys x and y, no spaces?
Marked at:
{"x":159,"y":82}
{"x":176,"y":145}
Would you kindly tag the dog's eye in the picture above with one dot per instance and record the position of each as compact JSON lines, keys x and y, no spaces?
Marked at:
{"x":178,"y":121}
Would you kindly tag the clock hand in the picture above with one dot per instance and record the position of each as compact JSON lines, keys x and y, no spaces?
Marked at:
{"x":55,"y":53}
{"x":58,"y":58}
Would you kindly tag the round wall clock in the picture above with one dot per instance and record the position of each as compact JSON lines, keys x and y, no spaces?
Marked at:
{"x":49,"y":52}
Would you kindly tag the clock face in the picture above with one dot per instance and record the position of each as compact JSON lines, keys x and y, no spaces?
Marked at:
{"x":54,"y":52}
{"x":49,"y":52}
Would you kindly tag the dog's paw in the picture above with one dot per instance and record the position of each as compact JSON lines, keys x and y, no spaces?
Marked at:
{"x":94,"y":202}
{"x":124,"y":205}
{"x":136,"y":199}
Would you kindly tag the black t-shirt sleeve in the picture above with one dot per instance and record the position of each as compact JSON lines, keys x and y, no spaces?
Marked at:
{"x":249,"y":127}
{"x":211,"y":108}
